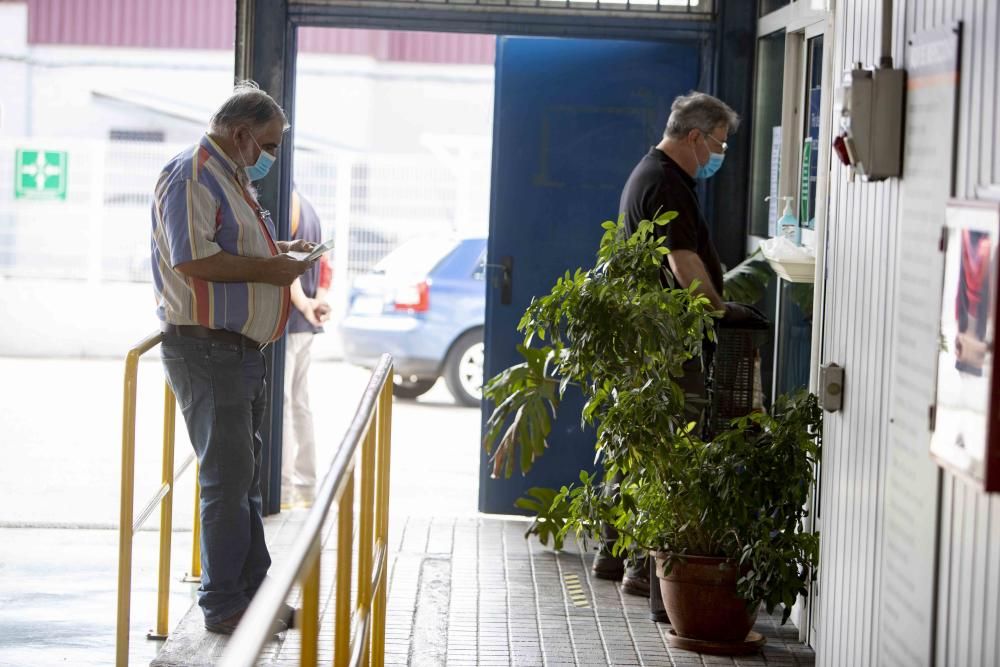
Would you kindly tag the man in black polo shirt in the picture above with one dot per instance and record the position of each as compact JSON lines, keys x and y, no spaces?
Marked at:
{"x":693,"y":147}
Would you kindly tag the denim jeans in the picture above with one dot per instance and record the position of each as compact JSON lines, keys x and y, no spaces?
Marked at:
{"x":220,"y":388}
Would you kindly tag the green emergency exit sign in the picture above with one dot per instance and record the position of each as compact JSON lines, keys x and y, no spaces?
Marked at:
{"x":40,"y":174}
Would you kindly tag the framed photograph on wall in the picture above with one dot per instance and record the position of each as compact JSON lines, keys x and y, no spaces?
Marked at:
{"x":966,"y":422}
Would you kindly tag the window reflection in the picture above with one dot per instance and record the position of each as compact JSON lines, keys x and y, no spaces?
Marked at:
{"x":767,"y":134}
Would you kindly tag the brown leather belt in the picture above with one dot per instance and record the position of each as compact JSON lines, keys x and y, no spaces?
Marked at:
{"x":221,"y":335}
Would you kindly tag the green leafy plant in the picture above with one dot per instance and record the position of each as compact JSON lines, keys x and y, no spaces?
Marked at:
{"x":747,"y":281}
{"x":621,"y":333}
{"x":551,"y":517}
{"x":740,"y":496}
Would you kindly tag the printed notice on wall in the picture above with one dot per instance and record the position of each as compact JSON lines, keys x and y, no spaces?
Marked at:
{"x":906,"y":600}
{"x":772,"y":208}
{"x":964,"y":439}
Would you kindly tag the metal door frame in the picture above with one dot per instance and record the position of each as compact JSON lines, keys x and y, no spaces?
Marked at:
{"x":266,"y":52}
{"x":800,"y":22}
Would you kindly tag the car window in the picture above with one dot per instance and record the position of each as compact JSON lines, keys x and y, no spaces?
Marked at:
{"x":418,"y":256}
{"x":480,"y":272}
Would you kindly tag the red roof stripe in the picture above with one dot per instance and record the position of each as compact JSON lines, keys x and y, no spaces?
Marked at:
{"x":208,"y":24}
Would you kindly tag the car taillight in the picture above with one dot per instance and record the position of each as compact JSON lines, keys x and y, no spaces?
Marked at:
{"x":414,"y":298}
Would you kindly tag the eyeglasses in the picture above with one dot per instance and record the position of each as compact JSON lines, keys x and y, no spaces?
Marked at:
{"x":723,"y":144}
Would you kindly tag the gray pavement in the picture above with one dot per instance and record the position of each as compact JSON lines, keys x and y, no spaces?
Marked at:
{"x":58,"y":595}
{"x":60,"y":441}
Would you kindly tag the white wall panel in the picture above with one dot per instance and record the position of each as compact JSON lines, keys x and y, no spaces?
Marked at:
{"x":863,"y":592}
{"x":860,"y":267}
{"x":969,"y":570}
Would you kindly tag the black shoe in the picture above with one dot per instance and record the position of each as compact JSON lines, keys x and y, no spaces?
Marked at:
{"x":607,"y":566}
{"x":289,"y":616}
{"x":226,"y":626}
{"x":656,"y":611}
{"x":636,"y":580}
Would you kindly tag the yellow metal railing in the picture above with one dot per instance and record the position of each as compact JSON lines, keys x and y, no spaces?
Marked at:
{"x":359,"y":623}
{"x":128,"y":525}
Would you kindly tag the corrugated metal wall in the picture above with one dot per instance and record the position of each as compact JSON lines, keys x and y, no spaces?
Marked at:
{"x":201,"y":24}
{"x":424,"y":47}
{"x":860,"y":270}
{"x":968,"y":622}
{"x":210,"y":24}
{"x":857,"y":622}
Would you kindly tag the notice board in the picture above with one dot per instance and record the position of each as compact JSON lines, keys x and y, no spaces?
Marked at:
{"x":966,"y":437}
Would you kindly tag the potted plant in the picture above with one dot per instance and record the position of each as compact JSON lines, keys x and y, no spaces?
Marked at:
{"x":621,"y":332}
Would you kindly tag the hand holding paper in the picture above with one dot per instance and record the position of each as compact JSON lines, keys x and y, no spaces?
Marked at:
{"x":316,"y":253}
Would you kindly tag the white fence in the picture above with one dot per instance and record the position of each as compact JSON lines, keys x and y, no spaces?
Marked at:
{"x":99,"y":231}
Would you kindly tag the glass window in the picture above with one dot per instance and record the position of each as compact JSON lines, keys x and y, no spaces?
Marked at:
{"x":767,"y":134}
{"x":810,"y":141}
{"x":418,"y":256}
{"x":794,"y":337}
{"x":768,"y":6}
{"x":480,"y":272}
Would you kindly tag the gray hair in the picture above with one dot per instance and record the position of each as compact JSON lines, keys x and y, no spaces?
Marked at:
{"x":248,"y":105}
{"x":698,"y":111}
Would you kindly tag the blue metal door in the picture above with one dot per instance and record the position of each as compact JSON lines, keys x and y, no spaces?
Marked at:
{"x":572,"y":118}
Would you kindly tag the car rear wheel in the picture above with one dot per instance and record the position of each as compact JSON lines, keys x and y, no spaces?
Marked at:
{"x":463,"y":370}
{"x":410,"y":389}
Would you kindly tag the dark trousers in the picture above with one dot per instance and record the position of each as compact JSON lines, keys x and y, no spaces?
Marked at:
{"x":220,"y":388}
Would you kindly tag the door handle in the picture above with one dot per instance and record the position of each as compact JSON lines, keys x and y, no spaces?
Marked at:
{"x":506,"y":266}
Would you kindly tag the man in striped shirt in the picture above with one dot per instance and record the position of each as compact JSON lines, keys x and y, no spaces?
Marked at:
{"x":222,"y":293}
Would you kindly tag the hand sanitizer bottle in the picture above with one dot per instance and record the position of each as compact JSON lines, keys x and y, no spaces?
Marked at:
{"x":789,"y":224}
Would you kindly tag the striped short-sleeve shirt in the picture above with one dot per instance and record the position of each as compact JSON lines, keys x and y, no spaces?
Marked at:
{"x":203,"y":205}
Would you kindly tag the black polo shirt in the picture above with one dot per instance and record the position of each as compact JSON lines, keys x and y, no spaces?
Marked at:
{"x":657,"y":185}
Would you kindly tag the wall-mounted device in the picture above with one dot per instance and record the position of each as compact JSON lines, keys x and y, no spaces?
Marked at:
{"x":871,"y":104}
{"x":831,"y":387}
{"x":871,"y":122}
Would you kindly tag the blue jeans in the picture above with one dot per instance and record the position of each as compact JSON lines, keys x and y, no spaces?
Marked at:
{"x":220,"y":388}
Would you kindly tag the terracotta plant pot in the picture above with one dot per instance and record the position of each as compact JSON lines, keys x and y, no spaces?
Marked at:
{"x":700,"y":597}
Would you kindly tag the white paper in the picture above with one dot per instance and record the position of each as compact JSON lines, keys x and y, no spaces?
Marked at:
{"x":780,"y":249}
{"x":316,"y":253}
{"x":772,"y":209}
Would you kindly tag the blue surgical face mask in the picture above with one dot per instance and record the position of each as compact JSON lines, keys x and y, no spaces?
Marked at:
{"x":708,"y":169}
{"x":259,"y":169}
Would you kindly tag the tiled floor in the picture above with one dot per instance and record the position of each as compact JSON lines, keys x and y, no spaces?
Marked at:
{"x":473,"y":591}
{"x":463,"y":591}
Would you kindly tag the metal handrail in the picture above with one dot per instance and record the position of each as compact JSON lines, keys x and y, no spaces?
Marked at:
{"x":162,"y":493}
{"x":164,"y":496}
{"x":369,"y":435}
